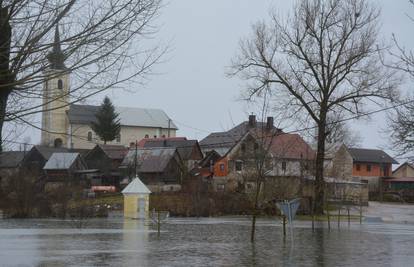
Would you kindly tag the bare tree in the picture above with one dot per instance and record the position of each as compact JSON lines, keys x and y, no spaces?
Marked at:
{"x":99,"y":42}
{"x":401,"y":119}
{"x":337,"y":131}
{"x":323,"y":58}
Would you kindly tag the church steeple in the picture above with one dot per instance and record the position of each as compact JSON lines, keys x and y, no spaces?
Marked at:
{"x":56,"y":57}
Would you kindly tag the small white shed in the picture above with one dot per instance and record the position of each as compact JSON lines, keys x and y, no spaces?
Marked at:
{"x":136,"y":199}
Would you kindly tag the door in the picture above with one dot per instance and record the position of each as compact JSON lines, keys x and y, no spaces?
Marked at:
{"x":141,"y":208}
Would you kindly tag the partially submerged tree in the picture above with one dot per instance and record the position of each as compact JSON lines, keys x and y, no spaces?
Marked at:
{"x":107,"y":125}
{"x":402,"y":119}
{"x":323,"y":58}
{"x":101,"y":43}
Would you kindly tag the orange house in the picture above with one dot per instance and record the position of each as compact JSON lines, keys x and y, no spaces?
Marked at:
{"x":371,"y":163}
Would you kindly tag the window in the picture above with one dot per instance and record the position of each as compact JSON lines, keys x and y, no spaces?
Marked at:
{"x":358,"y":167}
{"x":368,"y":168}
{"x":283,"y":166}
{"x":58,"y":142}
{"x":243,"y":148}
{"x":220,"y":187}
{"x":146,"y":136}
{"x":222,"y":167}
{"x":255,"y":146}
{"x":239,"y":165}
{"x":89,"y":136}
{"x":118,"y":138}
{"x":60,"y":84}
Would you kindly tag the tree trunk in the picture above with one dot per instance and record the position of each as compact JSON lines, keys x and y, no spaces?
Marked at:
{"x":319,"y":166}
{"x":6,"y":79}
{"x":256,"y":204}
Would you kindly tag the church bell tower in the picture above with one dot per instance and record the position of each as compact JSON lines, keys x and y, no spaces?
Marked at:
{"x":55,"y":98}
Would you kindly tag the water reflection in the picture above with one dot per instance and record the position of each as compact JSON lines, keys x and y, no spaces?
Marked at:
{"x":201,"y":242}
{"x":135,"y":239}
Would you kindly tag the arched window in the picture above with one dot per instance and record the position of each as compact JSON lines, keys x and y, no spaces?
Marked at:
{"x":58,"y":142}
{"x":89,"y":136}
{"x":60,"y":84}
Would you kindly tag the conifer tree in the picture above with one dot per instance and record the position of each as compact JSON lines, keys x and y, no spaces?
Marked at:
{"x":107,"y":125}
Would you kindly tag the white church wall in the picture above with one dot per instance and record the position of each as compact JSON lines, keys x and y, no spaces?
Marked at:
{"x":129,"y":134}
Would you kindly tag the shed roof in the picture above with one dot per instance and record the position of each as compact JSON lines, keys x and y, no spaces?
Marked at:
{"x":144,"y":117}
{"x":61,"y":161}
{"x":136,"y":187}
{"x":150,"y":160}
{"x":47,"y":152}
{"x":184,"y":147}
{"x":11,"y":159}
{"x":114,"y":152}
{"x":371,"y":155}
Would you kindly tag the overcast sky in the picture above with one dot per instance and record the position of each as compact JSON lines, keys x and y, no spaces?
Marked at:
{"x":192,"y":87}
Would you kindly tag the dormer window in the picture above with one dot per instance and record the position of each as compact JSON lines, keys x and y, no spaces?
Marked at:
{"x":60,"y":84}
{"x":89,"y":136}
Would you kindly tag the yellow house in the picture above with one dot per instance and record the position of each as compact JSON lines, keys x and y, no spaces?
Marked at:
{"x":136,"y":200}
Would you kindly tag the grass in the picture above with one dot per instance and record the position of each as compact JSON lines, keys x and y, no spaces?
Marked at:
{"x":99,"y":200}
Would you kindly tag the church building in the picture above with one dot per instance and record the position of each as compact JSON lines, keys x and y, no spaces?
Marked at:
{"x":69,"y":125}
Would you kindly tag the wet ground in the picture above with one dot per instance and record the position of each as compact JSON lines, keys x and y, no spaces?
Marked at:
{"x":202,"y":242}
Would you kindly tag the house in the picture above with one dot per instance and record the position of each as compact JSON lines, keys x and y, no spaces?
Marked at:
{"x":404,"y":170}
{"x":281,"y":154}
{"x":136,"y":200}
{"x":10,"y":163}
{"x":222,"y":142}
{"x":361,"y":164}
{"x":106,"y":159}
{"x":402,"y":178}
{"x":189,"y":150}
{"x":65,"y":167}
{"x":37,"y":157}
{"x":136,"y":123}
{"x":159,"y":168}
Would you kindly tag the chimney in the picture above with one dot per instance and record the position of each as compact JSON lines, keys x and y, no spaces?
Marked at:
{"x":269,"y":123}
{"x":252,"y":121}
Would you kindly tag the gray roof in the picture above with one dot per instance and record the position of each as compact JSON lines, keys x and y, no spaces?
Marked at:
{"x":11,"y":159}
{"x":114,"y":152}
{"x":144,"y":117}
{"x":222,"y":142}
{"x":371,"y":155}
{"x":150,"y":160}
{"x":184,"y":147}
{"x":61,"y":161}
{"x":47,"y":151}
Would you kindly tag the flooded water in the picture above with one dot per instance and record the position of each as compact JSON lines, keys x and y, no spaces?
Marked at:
{"x":202,"y":242}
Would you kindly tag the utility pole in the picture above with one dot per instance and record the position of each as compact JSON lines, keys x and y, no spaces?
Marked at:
{"x":169,"y":125}
{"x":136,"y":158}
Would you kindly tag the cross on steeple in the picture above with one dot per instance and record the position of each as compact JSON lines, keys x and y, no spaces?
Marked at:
{"x":56,"y":57}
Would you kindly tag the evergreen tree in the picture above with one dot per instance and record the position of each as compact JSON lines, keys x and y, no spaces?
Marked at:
{"x":107,"y":125}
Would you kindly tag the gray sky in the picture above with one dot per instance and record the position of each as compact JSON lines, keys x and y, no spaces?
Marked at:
{"x":192,"y":87}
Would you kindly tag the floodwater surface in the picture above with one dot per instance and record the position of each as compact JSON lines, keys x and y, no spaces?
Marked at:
{"x":202,"y":242}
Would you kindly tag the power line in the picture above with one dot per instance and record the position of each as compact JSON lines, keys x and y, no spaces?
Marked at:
{"x":238,"y":136}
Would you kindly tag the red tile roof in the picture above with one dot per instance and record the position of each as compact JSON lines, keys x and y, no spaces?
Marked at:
{"x":290,"y":146}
